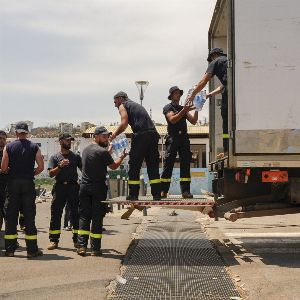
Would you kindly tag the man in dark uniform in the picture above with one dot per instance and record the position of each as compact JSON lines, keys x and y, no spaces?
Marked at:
{"x":144,"y":145}
{"x":3,"y":178}
{"x":93,"y":190}
{"x":20,"y":157}
{"x":177,"y":141}
{"x":63,"y":166}
{"x":217,"y":66}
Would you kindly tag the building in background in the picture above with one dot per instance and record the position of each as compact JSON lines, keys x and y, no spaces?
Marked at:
{"x":84,"y":126}
{"x":66,"y":127}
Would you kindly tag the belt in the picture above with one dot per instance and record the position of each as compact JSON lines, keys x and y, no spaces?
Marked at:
{"x":67,"y":182}
{"x":178,"y":133}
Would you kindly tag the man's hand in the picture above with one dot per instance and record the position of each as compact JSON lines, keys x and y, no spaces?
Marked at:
{"x":112,"y":137}
{"x":63,"y":163}
{"x":110,"y":149}
{"x":124,"y":154}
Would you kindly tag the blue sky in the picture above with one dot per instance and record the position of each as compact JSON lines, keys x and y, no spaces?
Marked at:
{"x":64,"y":60}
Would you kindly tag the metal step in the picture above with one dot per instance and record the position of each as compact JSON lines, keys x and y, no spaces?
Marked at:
{"x":170,"y":201}
{"x":175,"y":260}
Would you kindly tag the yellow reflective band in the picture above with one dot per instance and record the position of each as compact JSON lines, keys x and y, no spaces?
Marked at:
{"x":54,"y":231}
{"x":225,"y":136}
{"x":75,"y":231}
{"x":21,"y":215}
{"x":154,"y":181}
{"x":133,"y":182}
{"x":185,"y":179}
{"x":165,"y":179}
{"x":83,"y":232}
{"x":11,"y":236}
{"x":30,"y":237}
{"x":96,"y":235}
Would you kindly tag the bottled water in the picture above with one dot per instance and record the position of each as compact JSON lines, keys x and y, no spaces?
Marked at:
{"x":119,"y":144}
{"x":190,"y":91}
{"x":199,"y":100}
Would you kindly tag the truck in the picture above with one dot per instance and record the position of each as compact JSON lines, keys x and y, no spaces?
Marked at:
{"x":261,"y":174}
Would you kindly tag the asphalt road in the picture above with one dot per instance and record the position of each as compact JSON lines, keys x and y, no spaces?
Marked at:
{"x":61,"y":273}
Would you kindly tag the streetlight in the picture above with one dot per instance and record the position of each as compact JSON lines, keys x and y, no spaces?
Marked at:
{"x":141,"y":85}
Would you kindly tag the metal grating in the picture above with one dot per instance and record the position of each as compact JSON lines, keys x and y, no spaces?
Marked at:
{"x":175,"y":260}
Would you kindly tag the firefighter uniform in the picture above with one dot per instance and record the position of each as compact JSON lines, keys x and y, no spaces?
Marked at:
{"x":65,"y":190}
{"x":3,"y":192}
{"x":218,"y":67}
{"x":21,"y":193}
{"x":177,"y":141}
{"x":144,"y":146}
{"x":93,"y":190}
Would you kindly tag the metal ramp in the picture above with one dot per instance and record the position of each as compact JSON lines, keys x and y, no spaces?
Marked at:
{"x":174,"y":261}
{"x":172,"y":201}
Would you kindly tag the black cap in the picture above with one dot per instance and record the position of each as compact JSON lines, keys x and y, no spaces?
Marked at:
{"x":173,"y":89}
{"x":213,"y":51}
{"x":22,"y":127}
{"x":65,"y":136}
{"x":121,"y":94}
{"x":101,"y":130}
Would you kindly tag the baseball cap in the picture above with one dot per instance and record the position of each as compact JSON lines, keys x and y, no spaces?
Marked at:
{"x":173,"y":89}
{"x":121,"y":94}
{"x":213,"y":51}
{"x":65,"y":136}
{"x":101,"y":130}
{"x":22,"y":127}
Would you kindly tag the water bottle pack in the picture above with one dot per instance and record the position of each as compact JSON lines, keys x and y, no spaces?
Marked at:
{"x":119,"y":144}
{"x":199,"y":100}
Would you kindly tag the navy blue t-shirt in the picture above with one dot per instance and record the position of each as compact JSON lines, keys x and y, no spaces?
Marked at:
{"x":3,"y":177}
{"x":180,"y":125}
{"x":138,"y":117}
{"x":218,"y":67}
{"x":21,"y":155}
{"x":69,"y":172}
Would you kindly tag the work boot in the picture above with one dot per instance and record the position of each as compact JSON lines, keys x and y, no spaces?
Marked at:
{"x":81,"y":251}
{"x":9,"y":254}
{"x":34,"y":254}
{"x":187,"y":195}
{"x":96,"y":253}
{"x":164,"y":195}
{"x":52,"y":246}
{"x":132,"y":198}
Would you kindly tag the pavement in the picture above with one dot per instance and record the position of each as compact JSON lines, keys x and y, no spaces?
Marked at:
{"x":262,"y":254}
{"x":62,"y":273}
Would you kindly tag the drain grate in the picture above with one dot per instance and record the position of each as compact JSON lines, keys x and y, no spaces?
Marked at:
{"x":175,"y":260}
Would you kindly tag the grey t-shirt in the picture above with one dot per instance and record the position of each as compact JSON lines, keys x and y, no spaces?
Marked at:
{"x":68,"y":173}
{"x":95,"y":160}
{"x":218,"y":67}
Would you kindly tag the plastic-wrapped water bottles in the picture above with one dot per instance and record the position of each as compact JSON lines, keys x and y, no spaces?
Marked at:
{"x":199,"y":100}
{"x":119,"y":144}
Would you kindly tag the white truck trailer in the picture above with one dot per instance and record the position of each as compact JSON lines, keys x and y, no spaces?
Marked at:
{"x":261,"y":174}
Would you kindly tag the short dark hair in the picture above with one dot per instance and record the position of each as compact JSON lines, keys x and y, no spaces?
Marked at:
{"x":2,"y":132}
